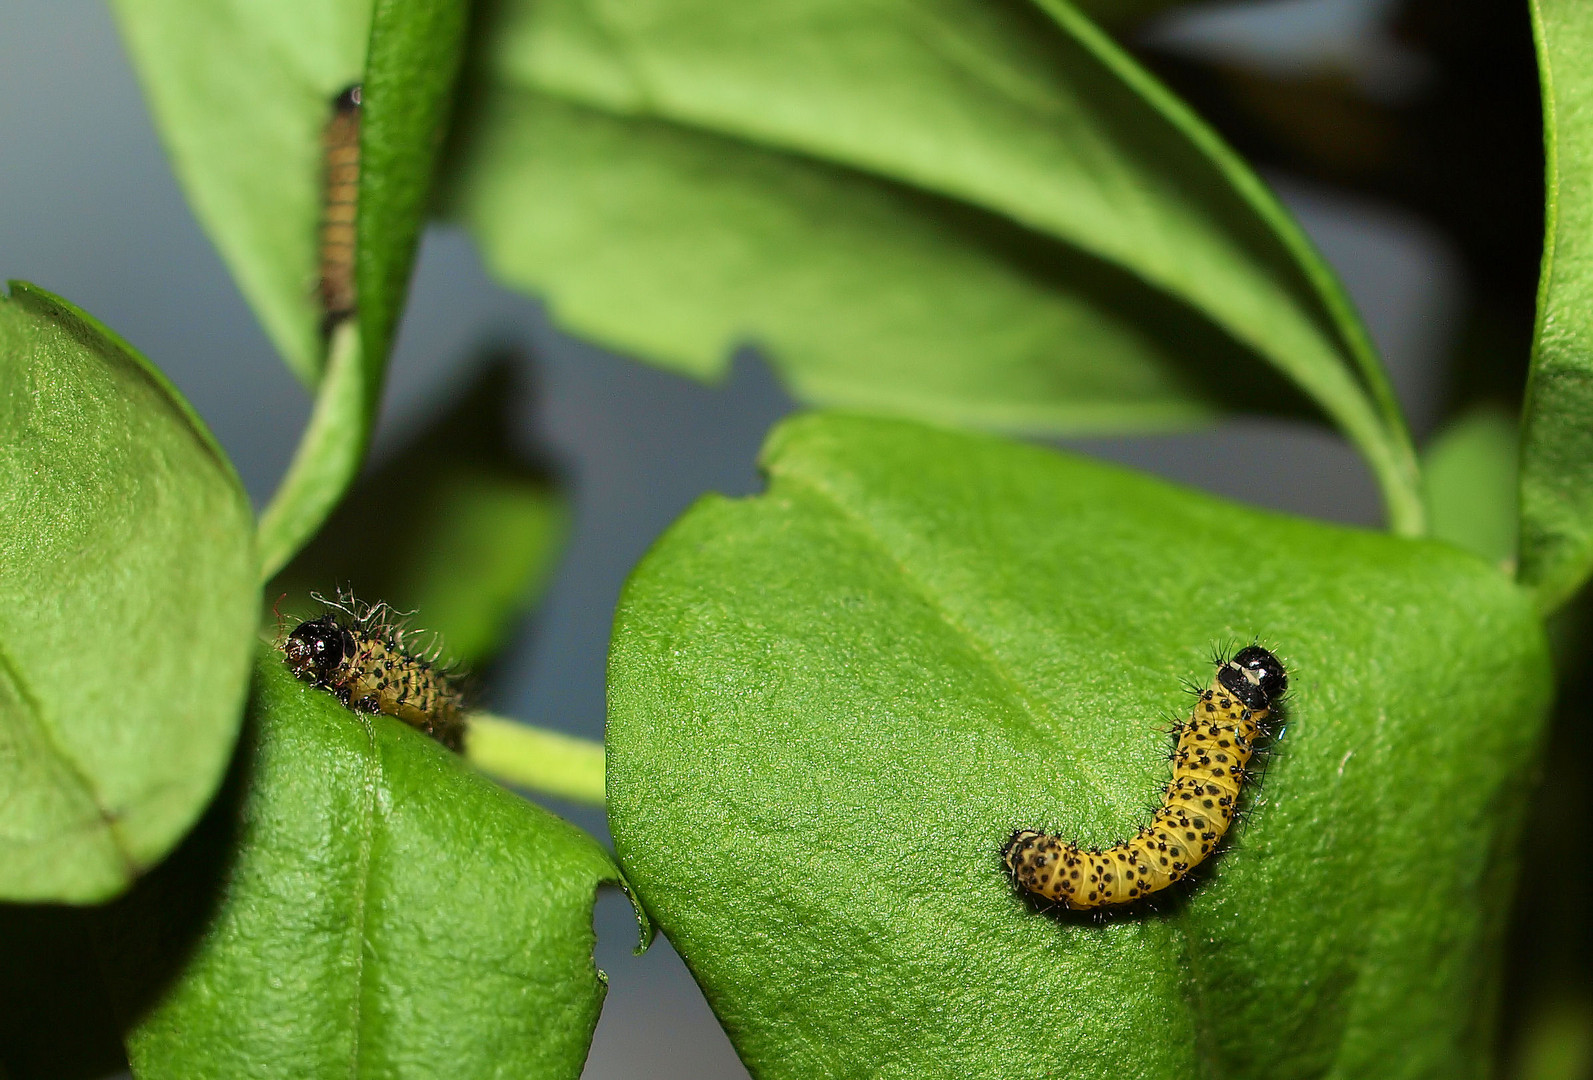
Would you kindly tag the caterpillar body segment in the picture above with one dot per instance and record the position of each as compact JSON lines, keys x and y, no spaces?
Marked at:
{"x":1198,"y":805}
{"x":358,"y":652}
{"x":340,"y":164}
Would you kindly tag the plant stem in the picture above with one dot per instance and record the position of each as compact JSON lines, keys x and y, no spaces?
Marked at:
{"x":537,"y":759}
{"x":328,"y":457}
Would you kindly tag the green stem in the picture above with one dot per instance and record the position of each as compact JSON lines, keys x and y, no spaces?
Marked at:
{"x":537,"y":759}
{"x":327,"y":460}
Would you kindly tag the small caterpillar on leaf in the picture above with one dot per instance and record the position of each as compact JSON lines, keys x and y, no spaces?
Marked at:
{"x":1214,"y":746}
{"x":358,"y":652}
{"x":340,"y":166}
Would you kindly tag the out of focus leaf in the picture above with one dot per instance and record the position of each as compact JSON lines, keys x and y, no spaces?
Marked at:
{"x":328,"y":456}
{"x":415,"y":51}
{"x":952,"y":209}
{"x":539,"y":760}
{"x":1470,"y":479}
{"x":674,"y":243}
{"x":241,"y":94}
{"x":1557,"y":428}
{"x":1126,"y":14}
{"x":1559,"y":1043}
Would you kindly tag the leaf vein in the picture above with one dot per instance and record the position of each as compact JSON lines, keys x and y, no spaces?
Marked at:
{"x":362,"y":897}
{"x":1038,"y":715}
{"x":109,"y":820}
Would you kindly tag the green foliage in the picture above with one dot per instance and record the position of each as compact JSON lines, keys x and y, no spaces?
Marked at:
{"x":461,"y":528}
{"x":1469,"y":475}
{"x":952,"y":209}
{"x":675,"y":243}
{"x":408,"y":84}
{"x":457,"y":524}
{"x":127,"y":577}
{"x":363,"y":904}
{"x":831,"y":704}
{"x":241,"y":94}
{"x":416,"y":49}
{"x":1557,"y":422}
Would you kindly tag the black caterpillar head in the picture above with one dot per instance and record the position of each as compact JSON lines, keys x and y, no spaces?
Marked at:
{"x":317,"y":648}
{"x":1255,"y":677}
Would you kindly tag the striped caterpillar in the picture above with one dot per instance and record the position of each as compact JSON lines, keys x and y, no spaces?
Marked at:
{"x":1214,"y":745}
{"x":358,"y":652}
{"x":340,"y":164}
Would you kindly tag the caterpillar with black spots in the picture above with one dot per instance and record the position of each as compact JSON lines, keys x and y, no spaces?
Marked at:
{"x":1209,"y":771}
{"x":340,"y":166}
{"x":359,"y":652}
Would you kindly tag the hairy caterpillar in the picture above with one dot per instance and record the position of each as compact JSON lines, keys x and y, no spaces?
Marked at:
{"x":358,"y":652}
{"x":340,"y":164}
{"x":1214,"y":746}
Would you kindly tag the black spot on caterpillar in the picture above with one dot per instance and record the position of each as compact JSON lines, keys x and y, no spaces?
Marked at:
{"x":1213,"y":747}
{"x":358,"y":651}
{"x":340,"y":165}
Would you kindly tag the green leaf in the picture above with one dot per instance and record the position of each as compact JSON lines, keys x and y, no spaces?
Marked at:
{"x":1557,"y":425}
{"x":458,"y":526}
{"x":127,"y":602}
{"x":674,"y":242}
{"x":909,"y":206}
{"x":415,"y":50}
{"x":830,"y":706}
{"x":242,"y":97}
{"x":241,"y":94}
{"x":372,"y":908}
{"x":1470,"y":479}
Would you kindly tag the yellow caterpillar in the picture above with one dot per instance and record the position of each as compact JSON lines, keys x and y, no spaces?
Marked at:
{"x":1214,"y":746}
{"x":357,"y":651}
{"x":340,"y":144}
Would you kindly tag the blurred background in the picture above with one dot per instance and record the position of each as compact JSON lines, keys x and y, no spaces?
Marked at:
{"x":1403,"y":135}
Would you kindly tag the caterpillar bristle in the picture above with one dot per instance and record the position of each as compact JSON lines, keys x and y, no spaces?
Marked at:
{"x":357,"y":652}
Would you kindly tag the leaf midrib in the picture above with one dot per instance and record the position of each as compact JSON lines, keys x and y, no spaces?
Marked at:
{"x":373,"y":771}
{"x":1039,"y":717}
{"x":109,"y":822}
